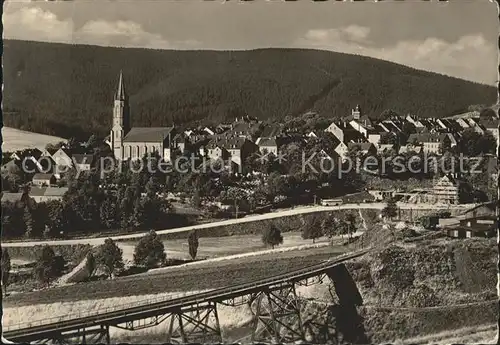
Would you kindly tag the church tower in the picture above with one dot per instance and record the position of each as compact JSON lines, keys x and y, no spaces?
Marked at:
{"x":121,"y":119}
{"x":356,"y":113}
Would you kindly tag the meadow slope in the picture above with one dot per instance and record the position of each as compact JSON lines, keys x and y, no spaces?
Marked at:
{"x":15,"y":139}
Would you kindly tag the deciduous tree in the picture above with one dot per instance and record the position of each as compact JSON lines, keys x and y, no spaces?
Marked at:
{"x":312,"y":228}
{"x":390,"y":210}
{"x":109,"y":257}
{"x":272,"y":236}
{"x":193,"y":243}
{"x":90,"y":265}
{"x":150,"y":251}
{"x":5,"y":269}
{"x":350,"y":219}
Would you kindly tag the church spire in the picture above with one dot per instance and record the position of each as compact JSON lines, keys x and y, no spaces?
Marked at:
{"x":120,"y":92}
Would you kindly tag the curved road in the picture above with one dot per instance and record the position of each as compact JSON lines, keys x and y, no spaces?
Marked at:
{"x":271,"y":215}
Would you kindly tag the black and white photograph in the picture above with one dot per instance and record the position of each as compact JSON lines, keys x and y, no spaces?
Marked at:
{"x":250,"y":172}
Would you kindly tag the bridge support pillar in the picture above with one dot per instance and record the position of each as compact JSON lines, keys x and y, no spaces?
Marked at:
{"x":108,"y":340}
{"x":277,"y":315}
{"x":194,"y":324}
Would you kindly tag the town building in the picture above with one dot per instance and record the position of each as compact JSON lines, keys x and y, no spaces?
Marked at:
{"x":432,"y":141}
{"x":446,"y":190}
{"x":492,"y":127}
{"x":62,"y":158}
{"x":341,"y":149}
{"x":19,"y":198}
{"x":44,"y":194}
{"x":364,"y":148}
{"x":43,"y":180}
{"x":476,"y":226}
{"x":132,"y":143}
{"x":83,"y":162}
{"x":344,"y":132}
{"x":268,"y":145}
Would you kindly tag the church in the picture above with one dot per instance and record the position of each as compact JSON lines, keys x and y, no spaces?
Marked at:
{"x":131,"y":143}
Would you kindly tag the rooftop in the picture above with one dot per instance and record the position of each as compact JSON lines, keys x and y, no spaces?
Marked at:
{"x":147,"y":134}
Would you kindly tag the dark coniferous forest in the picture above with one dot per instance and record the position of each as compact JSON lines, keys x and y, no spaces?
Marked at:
{"x":67,"y":90}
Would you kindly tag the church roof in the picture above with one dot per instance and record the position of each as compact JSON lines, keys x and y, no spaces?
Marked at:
{"x":147,"y":134}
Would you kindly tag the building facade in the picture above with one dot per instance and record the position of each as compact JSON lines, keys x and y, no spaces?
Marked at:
{"x":446,"y":190}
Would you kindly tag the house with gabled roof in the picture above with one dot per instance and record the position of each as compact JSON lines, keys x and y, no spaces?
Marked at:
{"x":62,"y":157}
{"x":358,"y":126}
{"x":375,"y":133}
{"x":83,"y":162}
{"x":431,"y":142}
{"x":446,"y":190}
{"x":41,"y":179}
{"x":344,"y":132}
{"x":20,"y":199}
{"x":33,"y":154}
{"x":365,"y":148}
{"x":235,"y":148}
{"x":414,"y":120}
{"x":492,"y":127}
{"x":341,"y":150}
{"x":44,"y":194}
{"x":269,"y":145}
{"x":48,"y":152}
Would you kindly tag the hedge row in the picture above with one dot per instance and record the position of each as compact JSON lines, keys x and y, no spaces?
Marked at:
{"x":71,"y":253}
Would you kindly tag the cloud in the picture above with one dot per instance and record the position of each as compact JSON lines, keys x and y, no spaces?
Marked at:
{"x":120,"y":33}
{"x":464,"y":58}
{"x":320,"y":37}
{"x":356,"y":32}
{"x":36,"y":24}
{"x":33,"y":23}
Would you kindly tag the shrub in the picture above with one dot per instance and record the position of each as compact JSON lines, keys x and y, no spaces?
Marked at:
{"x":422,"y":296}
{"x":429,"y":222}
{"x":48,"y":266}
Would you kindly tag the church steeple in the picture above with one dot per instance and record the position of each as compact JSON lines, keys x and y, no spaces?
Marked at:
{"x":120,"y":94}
{"x":121,"y":119}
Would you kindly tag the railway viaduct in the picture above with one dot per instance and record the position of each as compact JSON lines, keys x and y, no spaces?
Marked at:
{"x":194,"y":318}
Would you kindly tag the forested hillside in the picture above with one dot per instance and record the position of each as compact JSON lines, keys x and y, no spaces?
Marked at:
{"x":67,"y":90}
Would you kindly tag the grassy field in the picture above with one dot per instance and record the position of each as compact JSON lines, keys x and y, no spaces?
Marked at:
{"x":200,"y":277}
{"x":15,"y":139}
{"x":212,"y":247}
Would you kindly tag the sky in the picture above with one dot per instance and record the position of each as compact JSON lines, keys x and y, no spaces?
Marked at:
{"x":456,"y":38}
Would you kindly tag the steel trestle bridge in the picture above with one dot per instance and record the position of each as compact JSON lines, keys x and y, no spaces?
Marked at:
{"x":194,"y":318}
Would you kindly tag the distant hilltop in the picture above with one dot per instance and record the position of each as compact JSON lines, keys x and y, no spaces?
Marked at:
{"x":68,"y":89}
